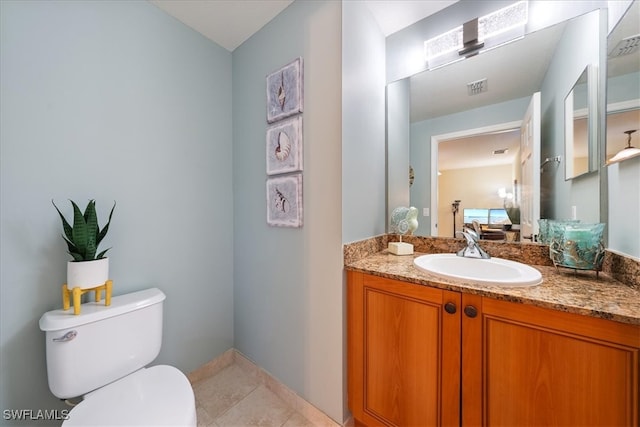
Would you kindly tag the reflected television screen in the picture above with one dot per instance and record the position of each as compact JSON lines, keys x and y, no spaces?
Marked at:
{"x":470,"y":214}
{"x":498,"y":217}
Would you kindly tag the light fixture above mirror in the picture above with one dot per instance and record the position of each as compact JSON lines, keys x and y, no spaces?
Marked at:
{"x":477,"y":35}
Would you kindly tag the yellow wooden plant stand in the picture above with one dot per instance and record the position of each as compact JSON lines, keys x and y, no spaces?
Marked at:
{"x":78,"y":292}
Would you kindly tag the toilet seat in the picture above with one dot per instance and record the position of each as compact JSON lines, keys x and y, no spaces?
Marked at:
{"x":156,"y":396}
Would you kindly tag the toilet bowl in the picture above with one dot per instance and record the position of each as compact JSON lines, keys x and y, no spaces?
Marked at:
{"x":101,"y":355}
{"x":139,"y":399}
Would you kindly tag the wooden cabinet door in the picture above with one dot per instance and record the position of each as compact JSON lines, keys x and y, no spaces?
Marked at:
{"x":403,"y":353}
{"x":530,"y":366}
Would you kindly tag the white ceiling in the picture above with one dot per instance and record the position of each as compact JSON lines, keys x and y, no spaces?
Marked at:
{"x":394,"y":15}
{"x":230,"y":23}
{"x":477,"y":151}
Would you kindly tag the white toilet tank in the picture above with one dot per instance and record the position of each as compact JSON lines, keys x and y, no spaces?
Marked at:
{"x":102,"y":343}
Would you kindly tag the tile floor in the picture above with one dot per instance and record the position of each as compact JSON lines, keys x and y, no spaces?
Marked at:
{"x":239,"y":395}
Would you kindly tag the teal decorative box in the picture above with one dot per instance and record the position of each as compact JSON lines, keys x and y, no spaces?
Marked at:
{"x":577,"y":246}
{"x":544,"y":233}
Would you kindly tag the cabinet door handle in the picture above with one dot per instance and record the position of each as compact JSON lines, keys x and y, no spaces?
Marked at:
{"x":450,"y":308}
{"x":471,"y":311}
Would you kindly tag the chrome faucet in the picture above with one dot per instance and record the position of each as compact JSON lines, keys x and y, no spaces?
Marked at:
{"x":472,"y":250}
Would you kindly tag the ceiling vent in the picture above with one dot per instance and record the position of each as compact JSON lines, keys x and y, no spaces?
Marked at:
{"x":626,"y":46}
{"x":501,"y":151}
{"x":479,"y":86}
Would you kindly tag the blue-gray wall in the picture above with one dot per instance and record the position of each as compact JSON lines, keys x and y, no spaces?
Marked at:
{"x":623,"y":88}
{"x":558,"y":195}
{"x":363,"y":124}
{"x":398,"y":144}
{"x":288,"y":292}
{"x":624,"y":207}
{"x":113,"y":101}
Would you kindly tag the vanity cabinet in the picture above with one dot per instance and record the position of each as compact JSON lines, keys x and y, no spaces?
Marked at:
{"x":421,"y":356}
{"x":403,"y":353}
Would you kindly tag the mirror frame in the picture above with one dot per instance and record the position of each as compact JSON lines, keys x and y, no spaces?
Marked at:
{"x":573,"y":114}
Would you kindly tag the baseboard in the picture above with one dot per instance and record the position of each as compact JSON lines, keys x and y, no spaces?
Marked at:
{"x":212,"y":367}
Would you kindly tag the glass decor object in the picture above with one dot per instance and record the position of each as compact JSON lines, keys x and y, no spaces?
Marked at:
{"x":403,"y":221}
{"x":544,"y":234}
{"x":577,"y":246}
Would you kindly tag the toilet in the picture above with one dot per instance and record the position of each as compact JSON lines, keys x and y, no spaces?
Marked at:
{"x":101,"y":355}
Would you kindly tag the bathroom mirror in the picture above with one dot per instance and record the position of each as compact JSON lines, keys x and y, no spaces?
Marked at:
{"x":442,"y":104}
{"x":623,"y":85}
{"x":579,"y":111}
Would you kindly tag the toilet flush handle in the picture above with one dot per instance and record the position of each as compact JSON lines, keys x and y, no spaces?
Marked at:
{"x":66,"y":337}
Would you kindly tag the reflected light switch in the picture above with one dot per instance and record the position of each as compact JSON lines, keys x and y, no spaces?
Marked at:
{"x":425,"y":211}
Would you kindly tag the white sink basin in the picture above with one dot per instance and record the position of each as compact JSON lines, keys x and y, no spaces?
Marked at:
{"x":493,"y":271}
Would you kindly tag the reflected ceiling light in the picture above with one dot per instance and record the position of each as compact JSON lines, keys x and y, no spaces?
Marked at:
{"x":478,"y":35}
{"x":627,"y":152}
{"x":502,"y":193}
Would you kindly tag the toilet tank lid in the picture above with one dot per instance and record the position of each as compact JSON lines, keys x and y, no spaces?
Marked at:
{"x":56,"y":320}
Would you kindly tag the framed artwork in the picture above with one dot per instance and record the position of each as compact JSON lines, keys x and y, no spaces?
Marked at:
{"x":284,"y":91}
{"x":284,"y":201}
{"x":284,"y":146}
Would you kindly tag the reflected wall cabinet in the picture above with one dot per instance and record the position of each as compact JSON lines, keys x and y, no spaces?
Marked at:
{"x":420,"y":356}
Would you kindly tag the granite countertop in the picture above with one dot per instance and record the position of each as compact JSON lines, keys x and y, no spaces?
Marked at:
{"x":564,"y":290}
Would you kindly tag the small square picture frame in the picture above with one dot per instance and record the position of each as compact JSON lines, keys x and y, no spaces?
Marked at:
{"x":284,"y":201}
{"x":284,"y":91}
{"x":284,"y":146}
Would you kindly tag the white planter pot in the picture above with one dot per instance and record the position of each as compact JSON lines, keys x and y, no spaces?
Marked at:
{"x":87,"y":274}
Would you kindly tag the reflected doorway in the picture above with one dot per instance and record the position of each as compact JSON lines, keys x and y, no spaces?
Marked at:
{"x":481,"y":171}
{"x":476,"y":166}
{"x":527,"y":198}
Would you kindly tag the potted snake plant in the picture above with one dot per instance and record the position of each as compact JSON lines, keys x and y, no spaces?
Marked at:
{"x":89,"y":267}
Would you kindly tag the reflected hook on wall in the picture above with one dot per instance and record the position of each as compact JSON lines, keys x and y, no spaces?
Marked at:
{"x":557,"y":159}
